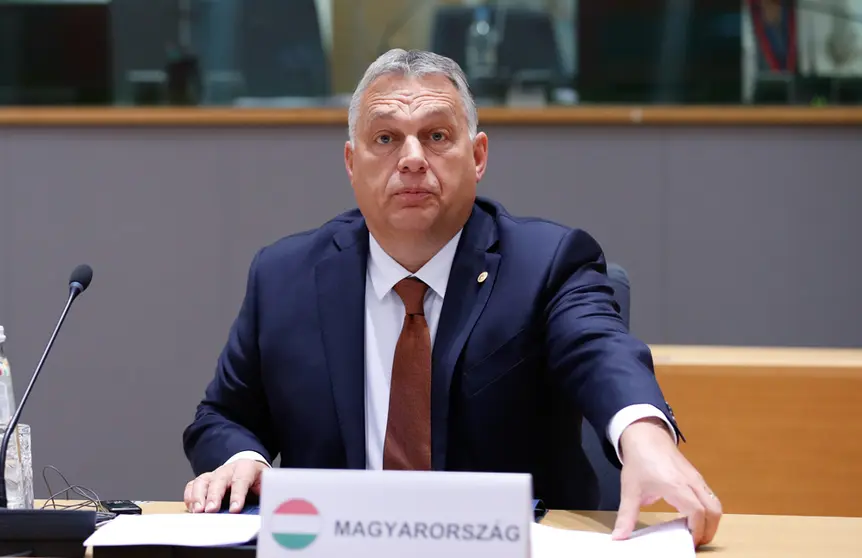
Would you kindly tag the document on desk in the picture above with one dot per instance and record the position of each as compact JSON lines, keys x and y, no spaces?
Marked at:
{"x":665,"y":540}
{"x":186,"y":529}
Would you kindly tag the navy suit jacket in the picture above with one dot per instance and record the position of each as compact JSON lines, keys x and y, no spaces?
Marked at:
{"x":518,"y":359}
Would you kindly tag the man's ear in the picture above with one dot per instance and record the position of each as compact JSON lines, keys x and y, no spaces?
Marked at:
{"x":480,"y":154}
{"x":348,"y":159}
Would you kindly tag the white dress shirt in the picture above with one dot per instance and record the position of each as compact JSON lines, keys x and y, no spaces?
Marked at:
{"x":384,"y":317}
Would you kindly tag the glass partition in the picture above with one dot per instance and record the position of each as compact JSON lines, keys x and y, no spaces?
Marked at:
{"x":294,"y":53}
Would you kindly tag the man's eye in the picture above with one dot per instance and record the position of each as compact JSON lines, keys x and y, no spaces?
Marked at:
{"x":384,"y":138}
{"x":438,"y":136}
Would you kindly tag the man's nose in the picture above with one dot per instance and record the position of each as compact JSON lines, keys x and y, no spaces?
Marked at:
{"x":412,"y":156}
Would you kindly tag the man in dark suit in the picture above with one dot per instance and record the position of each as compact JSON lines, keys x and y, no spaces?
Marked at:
{"x":431,"y":330}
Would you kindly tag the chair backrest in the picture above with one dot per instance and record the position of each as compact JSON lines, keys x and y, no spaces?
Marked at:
{"x":622,"y":290}
{"x":607,"y":473}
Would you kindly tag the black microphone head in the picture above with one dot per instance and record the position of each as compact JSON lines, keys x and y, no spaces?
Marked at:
{"x":81,"y":277}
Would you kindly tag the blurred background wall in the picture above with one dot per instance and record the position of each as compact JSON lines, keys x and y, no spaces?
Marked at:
{"x":731,"y":236}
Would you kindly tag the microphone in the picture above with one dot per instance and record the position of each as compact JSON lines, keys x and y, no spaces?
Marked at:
{"x":44,"y":532}
{"x":80,"y":278}
{"x":78,"y":283}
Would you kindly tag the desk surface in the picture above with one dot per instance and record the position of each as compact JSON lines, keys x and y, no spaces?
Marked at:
{"x":748,"y":536}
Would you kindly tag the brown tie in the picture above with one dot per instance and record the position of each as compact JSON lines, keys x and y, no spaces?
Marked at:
{"x":408,"y":428}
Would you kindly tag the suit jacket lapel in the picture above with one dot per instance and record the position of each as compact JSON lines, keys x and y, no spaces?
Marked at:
{"x":466,"y":296}
{"x":341,"y":302}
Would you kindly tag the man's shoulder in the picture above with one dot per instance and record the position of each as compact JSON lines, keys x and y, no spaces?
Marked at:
{"x":309,"y":245}
{"x":520,"y":225}
{"x":536,"y":241}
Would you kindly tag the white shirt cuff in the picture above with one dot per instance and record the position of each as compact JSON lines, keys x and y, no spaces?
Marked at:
{"x":630,"y":414}
{"x":253,"y":455}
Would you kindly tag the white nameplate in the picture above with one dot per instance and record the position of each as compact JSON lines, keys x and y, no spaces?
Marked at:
{"x":312,"y":513}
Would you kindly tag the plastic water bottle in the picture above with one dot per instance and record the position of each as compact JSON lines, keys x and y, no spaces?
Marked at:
{"x":482,"y":39}
{"x":19,"y":464}
{"x":7,"y":397}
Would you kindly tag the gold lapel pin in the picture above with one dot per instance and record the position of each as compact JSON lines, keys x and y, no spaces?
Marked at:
{"x":482,"y":277}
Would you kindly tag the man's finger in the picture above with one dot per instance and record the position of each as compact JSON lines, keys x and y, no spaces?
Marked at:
{"x":627,"y":516}
{"x":713,"y":512}
{"x":257,"y":482}
{"x":244,"y":477}
{"x":217,"y":488}
{"x":199,"y":492}
{"x":187,"y":495}
{"x":688,"y":504}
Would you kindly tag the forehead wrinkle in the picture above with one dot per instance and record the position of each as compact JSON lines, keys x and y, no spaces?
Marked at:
{"x":383,"y":110}
{"x":421,"y":112}
{"x":384,"y":102}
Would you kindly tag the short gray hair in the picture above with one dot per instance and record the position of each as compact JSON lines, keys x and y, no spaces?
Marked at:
{"x":414,"y":63}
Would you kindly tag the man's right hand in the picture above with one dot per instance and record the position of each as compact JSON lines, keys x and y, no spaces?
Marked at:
{"x":205,"y":493}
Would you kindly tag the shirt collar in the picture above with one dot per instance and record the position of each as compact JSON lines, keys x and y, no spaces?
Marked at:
{"x":385,"y":272}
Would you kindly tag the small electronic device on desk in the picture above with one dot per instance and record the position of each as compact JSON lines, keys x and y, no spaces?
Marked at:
{"x":121,"y":507}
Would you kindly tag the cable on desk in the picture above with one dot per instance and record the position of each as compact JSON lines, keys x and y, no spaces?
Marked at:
{"x":91,"y":499}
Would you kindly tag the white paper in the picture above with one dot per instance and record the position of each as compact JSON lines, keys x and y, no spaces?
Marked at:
{"x":186,"y":529}
{"x":665,"y":540}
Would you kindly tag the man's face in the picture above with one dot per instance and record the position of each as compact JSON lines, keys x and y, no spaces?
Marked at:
{"x":413,"y":166}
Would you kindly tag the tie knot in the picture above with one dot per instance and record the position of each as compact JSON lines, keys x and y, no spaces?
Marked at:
{"x":412,"y":292}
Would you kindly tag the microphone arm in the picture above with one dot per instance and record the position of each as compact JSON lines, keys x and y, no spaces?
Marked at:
{"x":75,"y":290}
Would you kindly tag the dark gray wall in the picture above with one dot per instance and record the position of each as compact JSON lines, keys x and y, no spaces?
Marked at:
{"x":732,"y":236}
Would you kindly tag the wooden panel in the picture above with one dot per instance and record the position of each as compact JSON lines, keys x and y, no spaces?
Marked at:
{"x":551,"y":116}
{"x":774,"y":431}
